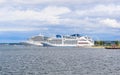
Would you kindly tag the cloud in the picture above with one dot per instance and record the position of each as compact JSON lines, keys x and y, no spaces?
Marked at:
{"x":87,"y":16}
{"x":3,"y":29}
{"x":2,"y":1}
{"x":50,"y":14}
{"x":18,"y":29}
{"x":111,"y":23}
{"x":62,"y":1}
{"x":100,"y":11}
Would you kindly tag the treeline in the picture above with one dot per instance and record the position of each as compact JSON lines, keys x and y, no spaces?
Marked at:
{"x":106,"y":43}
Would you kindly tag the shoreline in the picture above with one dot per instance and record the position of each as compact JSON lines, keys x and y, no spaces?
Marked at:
{"x":98,"y":47}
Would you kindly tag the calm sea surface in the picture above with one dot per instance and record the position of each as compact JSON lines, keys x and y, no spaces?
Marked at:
{"x":30,"y":60}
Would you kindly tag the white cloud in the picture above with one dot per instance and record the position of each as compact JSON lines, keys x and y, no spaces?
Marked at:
{"x":111,"y":23}
{"x":63,"y":1}
{"x":48,"y":14}
{"x":2,"y":1}
{"x":21,"y":29}
{"x":101,"y":10}
{"x":16,"y":29}
{"x":58,"y":14}
{"x":74,"y":22}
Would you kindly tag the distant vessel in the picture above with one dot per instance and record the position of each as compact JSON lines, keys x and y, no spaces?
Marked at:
{"x":59,"y":40}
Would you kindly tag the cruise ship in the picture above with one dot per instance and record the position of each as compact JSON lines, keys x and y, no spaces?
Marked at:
{"x":62,"y":40}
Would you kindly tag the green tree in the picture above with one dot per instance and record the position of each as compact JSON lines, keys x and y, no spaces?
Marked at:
{"x":117,"y":43}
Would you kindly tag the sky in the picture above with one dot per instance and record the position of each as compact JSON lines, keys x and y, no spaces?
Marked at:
{"x":22,"y":19}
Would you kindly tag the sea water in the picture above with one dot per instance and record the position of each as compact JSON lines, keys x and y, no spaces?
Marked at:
{"x":32,"y":60}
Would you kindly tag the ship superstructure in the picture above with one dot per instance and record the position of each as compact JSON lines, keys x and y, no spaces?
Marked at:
{"x":59,"y":40}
